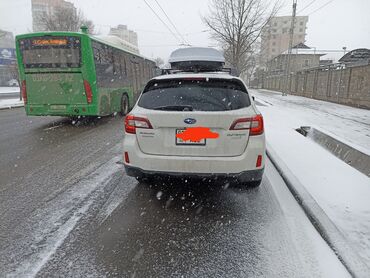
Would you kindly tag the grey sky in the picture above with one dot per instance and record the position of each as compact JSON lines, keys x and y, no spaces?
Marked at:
{"x":340,"y":23}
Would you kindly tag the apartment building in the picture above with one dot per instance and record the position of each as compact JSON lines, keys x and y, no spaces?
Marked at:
{"x":276,"y":35}
{"x":125,"y":34}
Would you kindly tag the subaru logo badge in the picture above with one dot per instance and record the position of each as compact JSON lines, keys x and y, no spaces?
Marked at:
{"x":190,"y":121}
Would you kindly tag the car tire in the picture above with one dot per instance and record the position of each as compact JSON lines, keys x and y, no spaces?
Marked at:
{"x":254,"y":184}
{"x":143,"y":179}
{"x":124,"y":105}
{"x":245,"y":185}
{"x":140,"y":179}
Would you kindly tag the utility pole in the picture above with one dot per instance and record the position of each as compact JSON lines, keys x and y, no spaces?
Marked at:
{"x":291,"y":33}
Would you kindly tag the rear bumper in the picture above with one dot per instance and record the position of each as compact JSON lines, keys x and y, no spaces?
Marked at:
{"x":227,"y":166}
{"x":245,"y":176}
{"x":69,"y":110}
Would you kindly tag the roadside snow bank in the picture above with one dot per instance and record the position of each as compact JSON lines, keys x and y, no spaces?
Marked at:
{"x":10,"y":103}
{"x":341,"y":191}
{"x":350,"y":124}
{"x":9,"y":90}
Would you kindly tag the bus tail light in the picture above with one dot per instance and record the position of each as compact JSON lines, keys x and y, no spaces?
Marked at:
{"x":88,"y":91}
{"x":24,"y":91}
{"x":254,"y":124}
{"x":132,"y":122}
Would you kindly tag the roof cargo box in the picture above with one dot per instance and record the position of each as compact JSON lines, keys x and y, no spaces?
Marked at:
{"x":197,"y":59}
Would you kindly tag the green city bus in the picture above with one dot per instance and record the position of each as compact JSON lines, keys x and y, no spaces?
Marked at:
{"x":76,"y":74}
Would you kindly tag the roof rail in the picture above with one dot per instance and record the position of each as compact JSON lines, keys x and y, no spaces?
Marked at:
{"x":230,"y":71}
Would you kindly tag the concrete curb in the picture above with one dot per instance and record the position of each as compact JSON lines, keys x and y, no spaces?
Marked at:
{"x":11,"y":107}
{"x":323,"y":224}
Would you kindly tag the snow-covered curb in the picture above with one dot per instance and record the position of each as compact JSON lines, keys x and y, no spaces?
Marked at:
{"x":10,"y":103}
{"x":9,"y":90}
{"x":331,"y":234}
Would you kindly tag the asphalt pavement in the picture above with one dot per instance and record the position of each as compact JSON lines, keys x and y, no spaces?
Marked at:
{"x":67,"y":209}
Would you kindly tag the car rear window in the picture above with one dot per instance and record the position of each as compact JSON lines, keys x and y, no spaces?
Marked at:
{"x":199,"y":95}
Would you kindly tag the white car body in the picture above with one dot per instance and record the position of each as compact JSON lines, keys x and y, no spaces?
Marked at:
{"x":235,"y":154}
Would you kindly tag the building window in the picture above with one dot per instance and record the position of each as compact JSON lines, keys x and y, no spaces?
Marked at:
{"x":301,"y":23}
{"x":275,"y":24}
{"x":285,"y":22}
{"x":285,"y":30}
{"x":300,"y":29}
{"x":274,"y":30}
{"x":274,"y":36}
{"x":306,"y":63}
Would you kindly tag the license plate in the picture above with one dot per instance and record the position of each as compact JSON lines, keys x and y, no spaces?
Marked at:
{"x":58,"y":107}
{"x":179,"y":141}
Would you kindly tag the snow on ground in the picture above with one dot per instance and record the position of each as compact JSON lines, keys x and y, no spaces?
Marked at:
{"x":9,"y":90}
{"x":349,"y":123}
{"x":10,"y":103}
{"x":342,"y":191}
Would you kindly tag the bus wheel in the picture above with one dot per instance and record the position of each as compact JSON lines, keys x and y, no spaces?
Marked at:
{"x":124,"y":105}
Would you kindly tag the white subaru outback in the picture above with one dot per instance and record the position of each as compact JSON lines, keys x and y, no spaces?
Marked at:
{"x":195,"y":125}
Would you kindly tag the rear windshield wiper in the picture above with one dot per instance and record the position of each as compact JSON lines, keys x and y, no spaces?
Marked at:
{"x":175,"y":108}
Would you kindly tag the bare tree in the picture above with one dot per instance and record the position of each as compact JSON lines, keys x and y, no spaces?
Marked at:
{"x":64,"y":19}
{"x":237,"y":25}
{"x":159,"y":62}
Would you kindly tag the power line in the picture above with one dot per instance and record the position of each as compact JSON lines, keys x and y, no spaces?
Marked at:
{"x":307,"y":6}
{"x":173,"y":25}
{"x":164,"y":23}
{"x":327,"y":3}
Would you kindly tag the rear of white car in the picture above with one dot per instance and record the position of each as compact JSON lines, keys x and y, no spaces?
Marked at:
{"x":172,"y":104}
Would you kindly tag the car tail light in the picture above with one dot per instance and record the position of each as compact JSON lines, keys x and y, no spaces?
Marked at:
{"x":259,"y":161}
{"x":24,"y":91}
{"x":88,"y":91}
{"x":254,"y":124}
{"x":132,"y":122}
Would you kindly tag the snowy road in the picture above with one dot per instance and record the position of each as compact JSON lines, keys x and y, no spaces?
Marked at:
{"x":67,"y":209}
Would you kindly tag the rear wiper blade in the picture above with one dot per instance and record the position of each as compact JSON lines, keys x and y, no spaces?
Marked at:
{"x":175,"y":108}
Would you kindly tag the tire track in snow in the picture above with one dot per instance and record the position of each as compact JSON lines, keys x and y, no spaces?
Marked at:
{"x":52,"y":224}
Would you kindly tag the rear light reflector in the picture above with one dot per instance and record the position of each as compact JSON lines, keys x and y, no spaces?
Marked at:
{"x":244,"y":123}
{"x":259,"y":161}
{"x":132,"y":122}
{"x":88,"y":91}
{"x":24,"y":91}
{"x":127,"y":159}
{"x":254,"y":124}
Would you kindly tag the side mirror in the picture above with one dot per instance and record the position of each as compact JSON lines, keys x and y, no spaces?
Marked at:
{"x":253,"y":98}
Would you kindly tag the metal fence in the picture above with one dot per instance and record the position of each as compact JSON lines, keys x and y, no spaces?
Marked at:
{"x":349,"y":86}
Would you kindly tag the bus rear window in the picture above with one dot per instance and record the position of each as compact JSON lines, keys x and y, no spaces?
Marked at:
{"x":51,"y":52}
